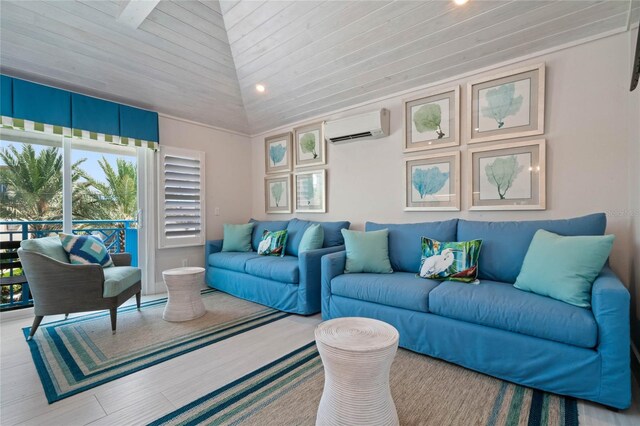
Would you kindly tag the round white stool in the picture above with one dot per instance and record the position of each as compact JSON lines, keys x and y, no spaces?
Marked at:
{"x":183,"y":286}
{"x":357,"y":354}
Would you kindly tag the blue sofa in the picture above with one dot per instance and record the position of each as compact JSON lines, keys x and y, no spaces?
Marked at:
{"x":493,"y":327}
{"x":290,"y":283}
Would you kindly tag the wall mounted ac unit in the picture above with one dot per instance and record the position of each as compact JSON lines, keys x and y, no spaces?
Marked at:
{"x":370,"y":125}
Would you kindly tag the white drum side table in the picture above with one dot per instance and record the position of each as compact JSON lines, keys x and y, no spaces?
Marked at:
{"x":183,"y":286}
{"x":357,"y":354}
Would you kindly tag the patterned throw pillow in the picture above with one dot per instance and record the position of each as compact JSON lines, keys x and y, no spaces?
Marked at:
{"x":273,"y":243}
{"x":454,"y":261}
{"x":85,"y":249}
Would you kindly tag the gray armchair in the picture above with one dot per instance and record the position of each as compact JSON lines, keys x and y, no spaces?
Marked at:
{"x":59,"y":287}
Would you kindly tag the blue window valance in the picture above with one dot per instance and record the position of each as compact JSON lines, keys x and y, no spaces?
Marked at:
{"x":28,"y":105}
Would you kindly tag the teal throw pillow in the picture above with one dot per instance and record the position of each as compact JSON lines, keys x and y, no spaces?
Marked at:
{"x":237,"y":237}
{"x":312,"y":239}
{"x":452,"y":261}
{"x":564,"y":268}
{"x":85,"y":249}
{"x":367,"y":251}
{"x":273,"y":243}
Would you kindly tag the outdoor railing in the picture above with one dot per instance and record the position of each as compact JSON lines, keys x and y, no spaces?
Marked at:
{"x":117,"y":235}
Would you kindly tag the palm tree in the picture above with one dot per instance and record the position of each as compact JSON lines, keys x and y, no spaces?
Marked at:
{"x":33,"y":185}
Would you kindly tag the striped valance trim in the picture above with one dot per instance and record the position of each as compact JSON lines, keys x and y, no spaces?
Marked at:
{"x":32,"y":126}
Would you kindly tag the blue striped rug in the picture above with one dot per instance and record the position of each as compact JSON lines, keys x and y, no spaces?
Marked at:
{"x":80,"y":353}
{"x":426,"y":391}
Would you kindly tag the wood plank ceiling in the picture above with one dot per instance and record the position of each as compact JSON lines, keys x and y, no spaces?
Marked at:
{"x":201,"y":60}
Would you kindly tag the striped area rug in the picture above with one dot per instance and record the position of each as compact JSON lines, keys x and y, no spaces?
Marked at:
{"x":80,"y":353}
{"x":426,"y":391}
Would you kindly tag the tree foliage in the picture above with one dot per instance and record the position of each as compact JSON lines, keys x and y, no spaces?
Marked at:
{"x":276,"y":190}
{"x":308,"y":144}
{"x":276,"y":153}
{"x":428,"y":118}
{"x":502,"y":103}
{"x":428,"y":181}
{"x":502,"y":173}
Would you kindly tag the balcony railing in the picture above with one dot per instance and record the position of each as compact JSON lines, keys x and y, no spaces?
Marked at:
{"x":117,"y":235}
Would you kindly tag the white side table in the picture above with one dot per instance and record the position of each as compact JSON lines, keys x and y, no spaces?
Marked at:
{"x":357,"y":354}
{"x":183,"y":286}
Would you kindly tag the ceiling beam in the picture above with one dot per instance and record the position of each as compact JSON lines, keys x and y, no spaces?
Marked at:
{"x":134,"y":12}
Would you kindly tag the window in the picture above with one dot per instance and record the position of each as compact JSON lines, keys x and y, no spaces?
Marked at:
{"x":181,"y":207}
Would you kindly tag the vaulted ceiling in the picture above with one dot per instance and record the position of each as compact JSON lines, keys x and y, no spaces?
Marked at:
{"x":201,"y":60}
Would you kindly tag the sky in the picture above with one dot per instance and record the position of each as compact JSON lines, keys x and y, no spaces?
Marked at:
{"x":91,"y":165}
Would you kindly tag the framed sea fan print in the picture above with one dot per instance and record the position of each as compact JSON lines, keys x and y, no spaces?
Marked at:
{"x":507,"y":105}
{"x":310,"y":145}
{"x":277,"y":194}
{"x":432,"y":182}
{"x":508,"y":176}
{"x":278,"y":153}
{"x":431,"y":121}
{"x":311,"y":191}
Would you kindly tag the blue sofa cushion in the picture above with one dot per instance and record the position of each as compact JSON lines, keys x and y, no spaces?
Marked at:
{"x":504,"y":244}
{"x":262,"y":225}
{"x":283,"y":269}
{"x":332,"y":233}
{"x":401,"y":289}
{"x":500,"y":305}
{"x":405,"y":243}
{"x":233,"y":261}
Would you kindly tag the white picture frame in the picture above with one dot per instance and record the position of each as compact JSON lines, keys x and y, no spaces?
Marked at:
{"x":309,"y":145}
{"x":507,"y":105}
{"x":278,"y":153}
{"x":277,"y":194}
{"x":445,"y":195}
{"x":310,"y":193}
{"x":440,"y":124}
{"x":508,"y":176}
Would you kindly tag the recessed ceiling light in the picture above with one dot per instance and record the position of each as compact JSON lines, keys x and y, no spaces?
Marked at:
{"x":460,"y":2}
{"x":260,"y":88}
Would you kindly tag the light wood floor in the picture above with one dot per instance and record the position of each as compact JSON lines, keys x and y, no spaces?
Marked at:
{"x":148,"y":394}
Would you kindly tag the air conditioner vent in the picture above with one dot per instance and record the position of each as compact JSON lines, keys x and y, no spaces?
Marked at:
{"x":356,"y":136}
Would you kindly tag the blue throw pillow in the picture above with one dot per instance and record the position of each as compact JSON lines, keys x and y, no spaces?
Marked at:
{"x":367,"y":252}
{"x":85,"y":249}
{"x":259,"y":226}
{"x":564,"y":268}
{"x":237,"y":237}
{"x":312,"y":238}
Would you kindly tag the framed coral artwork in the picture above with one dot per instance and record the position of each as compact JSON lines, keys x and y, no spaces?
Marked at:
{"x":277,"y":194}
{"x":507,"y":105}
{"x":431,"y":120}
{"x":432,"y":182}
{"x":277,"y":153}
{"x":309,"y":145}
{"x":508,"y":176}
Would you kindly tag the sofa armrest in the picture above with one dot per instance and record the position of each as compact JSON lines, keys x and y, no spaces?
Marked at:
{"x":309,"y":263}
{"x":610,"y":304}
{"x":332,"y":266}
{"x":210,"y":247}
{"x":121,"y":259}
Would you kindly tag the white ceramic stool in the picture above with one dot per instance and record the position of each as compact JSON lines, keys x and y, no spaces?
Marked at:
{"x":183,"y":286}
{"x":357,"y":354}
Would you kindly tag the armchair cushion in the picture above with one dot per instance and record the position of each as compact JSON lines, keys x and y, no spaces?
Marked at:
{"x":48,"y":246}
{"x":119,"y":278}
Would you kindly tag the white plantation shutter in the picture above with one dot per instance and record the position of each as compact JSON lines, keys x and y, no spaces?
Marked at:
{"x":181,"y":204}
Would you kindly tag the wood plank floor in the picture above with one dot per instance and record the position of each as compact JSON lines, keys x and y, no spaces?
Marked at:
{"x":150,"y":393}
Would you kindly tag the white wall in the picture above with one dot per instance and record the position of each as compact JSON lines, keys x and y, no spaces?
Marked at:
{"x":228,"y":180}
{"x":634,"y":196}
{"x":587,"y":136}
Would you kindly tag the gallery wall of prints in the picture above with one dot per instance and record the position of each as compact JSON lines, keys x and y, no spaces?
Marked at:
{"x":504,"y":118}
{"x":296,"y":179}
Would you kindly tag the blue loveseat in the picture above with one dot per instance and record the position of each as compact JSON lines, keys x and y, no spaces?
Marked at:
{"x":493,"y":327}
{"x":290,"y":283}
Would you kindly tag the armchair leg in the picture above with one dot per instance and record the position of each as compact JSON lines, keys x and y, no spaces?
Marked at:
{"x":114,"y":315}
{"x":66,"y":316}
{"x":34,"y":327}
{"x":138,"y":300}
